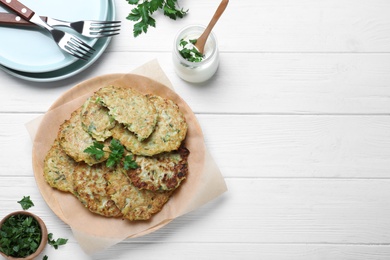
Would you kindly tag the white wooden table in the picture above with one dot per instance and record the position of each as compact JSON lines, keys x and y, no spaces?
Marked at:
{"x":297,"y":119}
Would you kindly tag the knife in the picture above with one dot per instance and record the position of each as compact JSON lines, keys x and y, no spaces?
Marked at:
{"x":13,"y":19}
{"x":87,"y":28}
{"x":25,"y":13}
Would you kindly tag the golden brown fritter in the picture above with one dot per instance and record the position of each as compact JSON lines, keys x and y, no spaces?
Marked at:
{"x":161,"y":172}
{"x":171,"y":130}
{"x":74,"y":140}
{"x":58,"y":168}
{"x":134,"y":204}
{"x":131,"y":108}
{"x":95,"y":119}
{"x":90,"y":188}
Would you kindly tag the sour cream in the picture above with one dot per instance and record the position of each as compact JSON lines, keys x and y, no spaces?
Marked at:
{"x":195,"y":72}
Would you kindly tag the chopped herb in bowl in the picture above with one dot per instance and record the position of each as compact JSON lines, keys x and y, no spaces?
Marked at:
{"x":22,"y":234}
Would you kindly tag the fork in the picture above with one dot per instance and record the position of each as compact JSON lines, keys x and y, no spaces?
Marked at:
{"x":93,"y":29}
{"x":89,"y":28}
{"x":67,"y":42}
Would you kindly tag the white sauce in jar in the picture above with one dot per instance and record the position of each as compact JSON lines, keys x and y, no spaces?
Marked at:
{"x":195,"y":72}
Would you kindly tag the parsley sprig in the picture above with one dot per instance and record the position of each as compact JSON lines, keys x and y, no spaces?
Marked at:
{"x":142,"y":13}
{"x":117,"y":152}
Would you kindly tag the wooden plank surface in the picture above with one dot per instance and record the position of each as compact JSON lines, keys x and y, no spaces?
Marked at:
{"x":259,"y":83}
{"x":312,"y":212}
{"x":297,"y":119}
{"x":262,"y":146}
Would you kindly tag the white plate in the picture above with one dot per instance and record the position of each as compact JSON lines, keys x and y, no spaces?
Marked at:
{"x":32,"y":50}
{"x":74,"y":68}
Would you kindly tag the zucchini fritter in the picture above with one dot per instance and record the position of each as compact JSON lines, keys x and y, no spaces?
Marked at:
{"x":171,"y":130}
{"x":134,"y":204}
{"x":95,"y":119}
{"x":130,"y":108}
{"x":74,"y":140}
{"x":161,"y":172}
{"x":90,"y":188}
{"x":58,"y":168}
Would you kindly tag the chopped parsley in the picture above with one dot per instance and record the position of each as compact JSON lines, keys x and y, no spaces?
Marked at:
{"x":20,"y":236}
{"x":189,"y":52}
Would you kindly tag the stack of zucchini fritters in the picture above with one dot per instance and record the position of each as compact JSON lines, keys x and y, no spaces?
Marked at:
{"x":150,"y":128}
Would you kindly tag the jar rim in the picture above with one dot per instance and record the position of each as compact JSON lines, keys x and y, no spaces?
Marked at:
{"x":179,"y":36}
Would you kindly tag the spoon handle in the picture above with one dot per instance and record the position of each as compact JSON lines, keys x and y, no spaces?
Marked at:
{"x":203,"y":38}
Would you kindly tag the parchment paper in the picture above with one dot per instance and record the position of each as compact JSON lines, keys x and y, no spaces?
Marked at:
{"x":95,"y":233}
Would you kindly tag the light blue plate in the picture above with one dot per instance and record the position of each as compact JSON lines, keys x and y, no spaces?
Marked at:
{"x":72,"y":69}
{"x":34,"y":51}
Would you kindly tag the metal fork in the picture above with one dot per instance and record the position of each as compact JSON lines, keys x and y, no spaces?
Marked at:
{"x":93,"y":29}
{"x":67,"y":42}
{"x":89,"y":28}
{"x":71,"y":44}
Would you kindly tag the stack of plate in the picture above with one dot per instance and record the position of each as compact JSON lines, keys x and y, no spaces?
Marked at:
{"x":31,"y":54}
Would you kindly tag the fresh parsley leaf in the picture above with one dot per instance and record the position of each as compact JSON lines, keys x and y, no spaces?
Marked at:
{"x":96,"y":150}
{"x":26,"y":203}
{"x":56,"y":243}
{"x":171,"y":11}
{"x":144,"y":10}
{"x":45,"y":257}
{"x":129,"y":163}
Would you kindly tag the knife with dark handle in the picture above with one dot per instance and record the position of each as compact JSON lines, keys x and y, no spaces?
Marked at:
{"x":88,"y":28}
{"x":13,"y":19}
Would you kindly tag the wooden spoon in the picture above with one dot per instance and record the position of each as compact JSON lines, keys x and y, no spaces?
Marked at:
{"x":201,"y":41}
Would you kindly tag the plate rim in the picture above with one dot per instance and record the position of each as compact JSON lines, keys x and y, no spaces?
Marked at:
{"x":68,"y":60}
{"x":84,"y":65}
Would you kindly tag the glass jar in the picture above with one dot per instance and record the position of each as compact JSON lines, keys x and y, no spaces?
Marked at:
{"x":196,"y":72}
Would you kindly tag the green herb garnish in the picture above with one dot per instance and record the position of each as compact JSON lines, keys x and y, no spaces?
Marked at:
{"x":189,"y":52}
{"x":117,"y":152}
{"x":129,"y":163}
{"x":142,"y":13}
{"x":56,"y":243}
{"x":26,"y":203}
{"x":20,"y":236}
{"x":96,"y":150}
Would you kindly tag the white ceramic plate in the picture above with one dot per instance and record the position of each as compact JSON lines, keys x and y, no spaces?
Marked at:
{"x":32,"y":50}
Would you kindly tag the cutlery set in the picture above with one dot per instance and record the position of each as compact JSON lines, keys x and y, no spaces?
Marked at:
{"x":68,"y":42}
